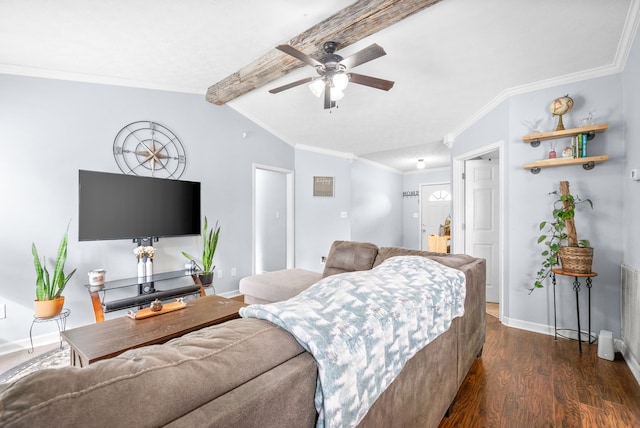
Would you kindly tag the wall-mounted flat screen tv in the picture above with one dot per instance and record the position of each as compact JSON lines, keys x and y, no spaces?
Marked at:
{"x":119,"y":206}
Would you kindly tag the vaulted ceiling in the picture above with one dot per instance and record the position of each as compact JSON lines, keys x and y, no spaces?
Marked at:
{"x":450,"y":61}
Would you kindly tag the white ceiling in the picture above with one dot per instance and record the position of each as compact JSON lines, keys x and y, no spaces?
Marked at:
{"x":450,"y":62}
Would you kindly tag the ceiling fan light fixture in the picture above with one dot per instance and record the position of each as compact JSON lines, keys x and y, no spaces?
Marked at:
{"x":336,"y":94}
{"x":340,"y":81}
{"x":420,"y":164}
{"x":317,"y":87}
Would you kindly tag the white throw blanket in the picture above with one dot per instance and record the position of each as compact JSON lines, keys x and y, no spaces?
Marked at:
{"x":362,"y":327}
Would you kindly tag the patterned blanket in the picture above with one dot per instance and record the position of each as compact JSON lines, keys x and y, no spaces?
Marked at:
{"x":362,"y":327}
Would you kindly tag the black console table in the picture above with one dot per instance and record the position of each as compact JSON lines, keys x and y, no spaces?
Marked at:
{"x":576,"y":287}
{"x":144,"y":291}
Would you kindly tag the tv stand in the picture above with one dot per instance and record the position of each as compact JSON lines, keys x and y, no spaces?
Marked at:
{"x":141,"y":292}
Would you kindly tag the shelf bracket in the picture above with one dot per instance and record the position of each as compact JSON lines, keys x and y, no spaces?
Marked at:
{"x":591,"y":135}
{"x":535,"y":169}
{"x":535,"y":143}
{"x":589,"y":165}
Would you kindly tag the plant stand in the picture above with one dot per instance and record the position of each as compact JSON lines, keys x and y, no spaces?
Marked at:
{"x":576,"y":287}
{"x":60,"y":319}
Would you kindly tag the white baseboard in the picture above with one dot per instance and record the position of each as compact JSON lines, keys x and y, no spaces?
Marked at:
{"x":25,"y":344}
{"x":618,"y":344}
{"x":631,"y":361}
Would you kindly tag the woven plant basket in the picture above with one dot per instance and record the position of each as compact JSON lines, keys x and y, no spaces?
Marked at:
{"x":576,"y":259}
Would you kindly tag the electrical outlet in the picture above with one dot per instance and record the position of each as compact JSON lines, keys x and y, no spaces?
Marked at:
{"x":234,"y":272}
{"x":219,"y":273}
{"x":3,"y":311}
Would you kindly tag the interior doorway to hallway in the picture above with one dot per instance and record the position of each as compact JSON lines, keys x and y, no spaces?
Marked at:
{"x":478,"y":210}
{"x":272,"y":219}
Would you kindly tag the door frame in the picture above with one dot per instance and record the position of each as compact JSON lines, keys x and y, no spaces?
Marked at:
{"x":459,"y":198}
{"x":289,"y":174}
{"x":420,"y":202}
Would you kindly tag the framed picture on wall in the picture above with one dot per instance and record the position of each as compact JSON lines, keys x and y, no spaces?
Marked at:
{"x":323,"y":186}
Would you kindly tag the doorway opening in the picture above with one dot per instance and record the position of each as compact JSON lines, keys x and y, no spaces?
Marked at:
{"x":435,"y":209}
{"x":273,"y":220}
{"x":478,"y":227}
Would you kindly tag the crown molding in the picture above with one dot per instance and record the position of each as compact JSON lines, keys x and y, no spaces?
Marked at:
{"x":617,"y":66}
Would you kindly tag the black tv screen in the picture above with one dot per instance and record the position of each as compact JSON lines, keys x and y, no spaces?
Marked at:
{"x":119,"y":206}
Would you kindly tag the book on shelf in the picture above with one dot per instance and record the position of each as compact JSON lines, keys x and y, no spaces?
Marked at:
{"x":579,"y":146}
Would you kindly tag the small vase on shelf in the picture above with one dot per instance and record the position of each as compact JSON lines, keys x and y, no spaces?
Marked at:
{"x":148,"y":267}
{"x":141,"y":268}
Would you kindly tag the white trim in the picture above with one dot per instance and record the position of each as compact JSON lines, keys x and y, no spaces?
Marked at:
{"x":24,"y":344}
{"x":632,"y":363}
{"x":629,"y":31}
{"x":290,"y":213}
{"x":631,"y":25}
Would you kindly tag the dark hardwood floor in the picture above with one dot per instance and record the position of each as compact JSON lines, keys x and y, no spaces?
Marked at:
{"x":527,"y":380}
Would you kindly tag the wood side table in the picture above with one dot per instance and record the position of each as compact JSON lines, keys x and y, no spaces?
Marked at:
{"x":576,"y":288}
{"x":110,"y":338}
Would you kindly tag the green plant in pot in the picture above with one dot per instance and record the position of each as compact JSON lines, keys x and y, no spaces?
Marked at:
{"x":560,"y":239}
{"x":49,"y":300}
{"x":209,"y":244}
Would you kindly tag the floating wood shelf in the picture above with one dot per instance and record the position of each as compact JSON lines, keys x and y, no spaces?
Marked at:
{"x":591,"y":131}
{"x":587,"y":163}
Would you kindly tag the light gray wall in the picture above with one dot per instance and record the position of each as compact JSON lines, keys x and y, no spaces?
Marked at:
{"x":411,"y":205}
{"x":527,"y":201}
{"x":366,"y":206}
{"x":50,"y":129}
{"x":376,"y":207}
{"x":318,"y":218}
{"x":631,"y":189}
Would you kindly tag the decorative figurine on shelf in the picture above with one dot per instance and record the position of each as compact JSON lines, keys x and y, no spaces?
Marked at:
{"x":533,"y":125}
{"x":148,"y":266}
{"x":139,"y":253}
{"x":552,"y":152}
{"x":588,"y":119}
{"x":561,"y":106}
{"x":156,"y":305}
{"x":567,"y":152}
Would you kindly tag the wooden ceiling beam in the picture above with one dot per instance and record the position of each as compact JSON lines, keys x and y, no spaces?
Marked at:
{"x":351,"y":24}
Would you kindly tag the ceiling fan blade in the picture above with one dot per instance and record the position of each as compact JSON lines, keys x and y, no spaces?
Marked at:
{"x":327,"y":96}
{"x":373,"y":82}
{"x":365,"y":55}
{"x":291,"y":85}
{"x":290,"y":50}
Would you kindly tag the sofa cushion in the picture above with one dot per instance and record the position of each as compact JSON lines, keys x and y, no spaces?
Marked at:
{"x":349,"y":256}
{"x":169,"y":380}
{"x":277,"y":286}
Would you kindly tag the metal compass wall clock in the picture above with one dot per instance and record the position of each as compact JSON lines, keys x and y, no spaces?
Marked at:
{"x":149,"y":149}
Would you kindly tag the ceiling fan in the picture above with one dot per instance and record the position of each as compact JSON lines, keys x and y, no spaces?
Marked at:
{"x":334,"y":72}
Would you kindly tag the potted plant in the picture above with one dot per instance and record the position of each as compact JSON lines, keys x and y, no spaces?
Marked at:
{"x":576,"y":256}
{"x":49,"y":300}
{"x":209,"y":244}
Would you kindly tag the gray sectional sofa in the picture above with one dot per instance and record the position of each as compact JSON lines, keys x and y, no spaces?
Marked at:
{"x":249,"y":373}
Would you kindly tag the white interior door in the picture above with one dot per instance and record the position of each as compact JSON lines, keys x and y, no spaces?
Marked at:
{"x":482,"y":218}
{"x":435,"y":207}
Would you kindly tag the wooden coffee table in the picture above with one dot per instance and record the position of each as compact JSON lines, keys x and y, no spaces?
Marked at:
{"x":107,"y":339}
